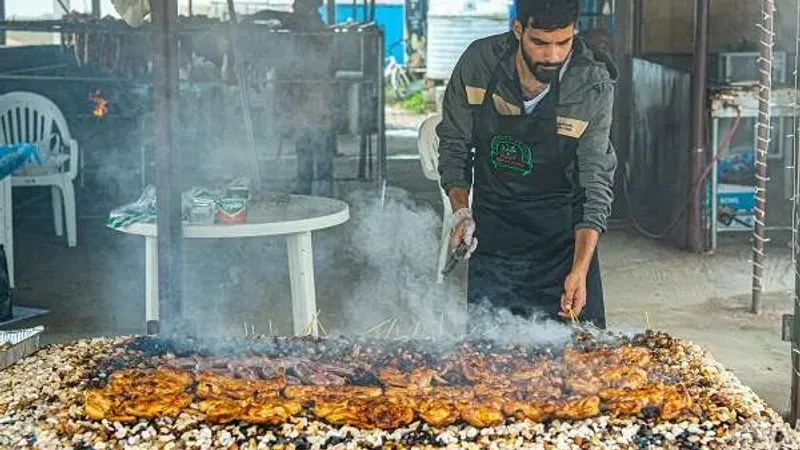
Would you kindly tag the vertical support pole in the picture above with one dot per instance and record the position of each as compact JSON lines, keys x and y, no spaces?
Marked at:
{"x":381,"y":144}
{"x":698,"y":156}
{"x":794,"y":400}
{"x":2,"y":18}
{"x":330,"y":12}
{"x":638,"y":26}
{"x":713,"y":226}
{"x":621,"y":131}
{"x":170,"y":232}
{"x":96,"y":9}
{"x":763,"y":137}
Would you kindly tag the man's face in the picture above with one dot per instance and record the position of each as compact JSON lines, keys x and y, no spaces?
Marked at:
{"x":544,"y":51}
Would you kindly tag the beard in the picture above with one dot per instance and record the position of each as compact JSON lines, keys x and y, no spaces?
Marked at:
{"x":543,"y":72}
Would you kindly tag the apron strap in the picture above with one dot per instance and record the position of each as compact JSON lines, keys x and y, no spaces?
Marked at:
{"x":491,"y":87}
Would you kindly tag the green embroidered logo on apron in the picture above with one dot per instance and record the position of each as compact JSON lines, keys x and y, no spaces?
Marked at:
{"x":511,"y":154}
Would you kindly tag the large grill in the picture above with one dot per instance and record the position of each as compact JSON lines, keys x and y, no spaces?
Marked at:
{"x":648,"y":391}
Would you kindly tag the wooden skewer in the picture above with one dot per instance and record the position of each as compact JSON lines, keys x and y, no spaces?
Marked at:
{"x":378,"y":326}
{"x":310,"y":327}
{"x":391,"y":327}
{"x":416,"y":328}
{"x":647,"y":319}
{"x":270,"y":327}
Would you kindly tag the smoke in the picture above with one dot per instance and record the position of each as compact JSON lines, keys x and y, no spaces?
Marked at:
{"x":393,"y":246}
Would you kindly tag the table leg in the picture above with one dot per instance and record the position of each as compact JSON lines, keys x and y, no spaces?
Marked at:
{"x":8,"y":230}
{"x":151,"y":283}
{"x":301,"y":276}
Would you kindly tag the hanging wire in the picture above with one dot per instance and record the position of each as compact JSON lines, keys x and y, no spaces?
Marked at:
{"x":763,"y":138}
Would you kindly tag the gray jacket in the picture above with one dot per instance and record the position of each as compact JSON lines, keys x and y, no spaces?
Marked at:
{"x":584,"y":111}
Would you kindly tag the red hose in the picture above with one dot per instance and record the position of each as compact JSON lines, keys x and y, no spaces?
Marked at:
{"x":699,"y":182}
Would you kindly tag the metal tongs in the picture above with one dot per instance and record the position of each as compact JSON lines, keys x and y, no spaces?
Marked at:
{"x":456,"y":257}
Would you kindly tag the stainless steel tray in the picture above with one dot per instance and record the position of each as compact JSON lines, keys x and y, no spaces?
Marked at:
{"x":18,"y":344}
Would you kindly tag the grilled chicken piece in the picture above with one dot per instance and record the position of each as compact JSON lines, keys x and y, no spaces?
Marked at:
{"x":585,"y":384}
{"x":394,"y":376}
{"x":152,"y":407}
{"x":577,"y":408}
{"x":530,"y":372}
{"x":439,"y":412}
{"x":215,"y":387}
{"x":387,"y":415}
{"x":270,"y":412}
{"x":222,"y":411}
{"x":305,"y":394}
{"x":363,"y":413}
{"x":482,"y":414}
{"x":535,"y":410}
{"x":633,"y":355}
{"x":162,"y":381}
{"x":624,"y":377}
{"x":99,"y":405}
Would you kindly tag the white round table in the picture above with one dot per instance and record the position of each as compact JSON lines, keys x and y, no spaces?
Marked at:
{"x":293,"y":216}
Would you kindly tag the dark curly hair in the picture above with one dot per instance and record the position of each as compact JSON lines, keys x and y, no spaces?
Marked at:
{"x":547,"y":14}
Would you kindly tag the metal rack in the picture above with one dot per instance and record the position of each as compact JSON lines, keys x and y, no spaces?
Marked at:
{"x":725,"y":107}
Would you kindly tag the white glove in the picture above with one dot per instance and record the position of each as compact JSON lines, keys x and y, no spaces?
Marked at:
{"x":464,"y":231}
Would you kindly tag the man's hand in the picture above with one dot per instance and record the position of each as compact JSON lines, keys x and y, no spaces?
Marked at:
{"x":463,"y":231}
{"x":574,"y":297}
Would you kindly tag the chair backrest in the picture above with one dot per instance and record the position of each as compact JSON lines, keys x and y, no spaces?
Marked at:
{"x":428,"y":143}
{"x":29,"y":117}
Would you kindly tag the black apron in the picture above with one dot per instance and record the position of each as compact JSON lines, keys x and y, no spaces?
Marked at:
{"x":525,"y":207}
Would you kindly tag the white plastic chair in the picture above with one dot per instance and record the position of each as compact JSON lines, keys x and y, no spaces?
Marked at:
{"x":32,"y":118}
{"x":428,"y":143}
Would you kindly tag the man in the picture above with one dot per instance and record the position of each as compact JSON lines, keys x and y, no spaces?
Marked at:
{"x":536,"y":106}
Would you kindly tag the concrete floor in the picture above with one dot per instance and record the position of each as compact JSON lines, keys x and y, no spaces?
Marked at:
{"x":380,"y":266}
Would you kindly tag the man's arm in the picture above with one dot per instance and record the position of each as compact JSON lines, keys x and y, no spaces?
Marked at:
{"x":597,"y":162}
{"x":455,"y":140}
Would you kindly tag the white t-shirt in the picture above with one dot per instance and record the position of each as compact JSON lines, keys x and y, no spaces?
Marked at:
{"x":530,"y":105}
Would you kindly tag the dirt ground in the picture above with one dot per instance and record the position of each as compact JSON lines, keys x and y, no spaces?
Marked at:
{"x":385,"y":256}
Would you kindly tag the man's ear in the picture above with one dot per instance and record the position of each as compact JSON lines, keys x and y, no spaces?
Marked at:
{"x":517,"y":28}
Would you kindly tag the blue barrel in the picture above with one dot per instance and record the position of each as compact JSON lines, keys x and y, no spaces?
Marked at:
{"x":390,"y":17}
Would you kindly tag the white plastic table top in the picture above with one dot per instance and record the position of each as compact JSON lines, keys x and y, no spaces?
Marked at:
{"x":268,"y":217}
{"x":293,"y":216}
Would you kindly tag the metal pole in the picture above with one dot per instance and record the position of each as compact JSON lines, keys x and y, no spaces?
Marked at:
{"x":698,"y":158}
{"x":2,"y":18}
{"x":244,"y":95}
{"x":381,"y":144}
{"x":170,"y":232}
{"x":330,"y":12}
{"x":96,"y":9}
{"x":638,"y":24}
{"x":765,"y":85}
{"x":794,"y":401}
{"x":623,"y":38}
